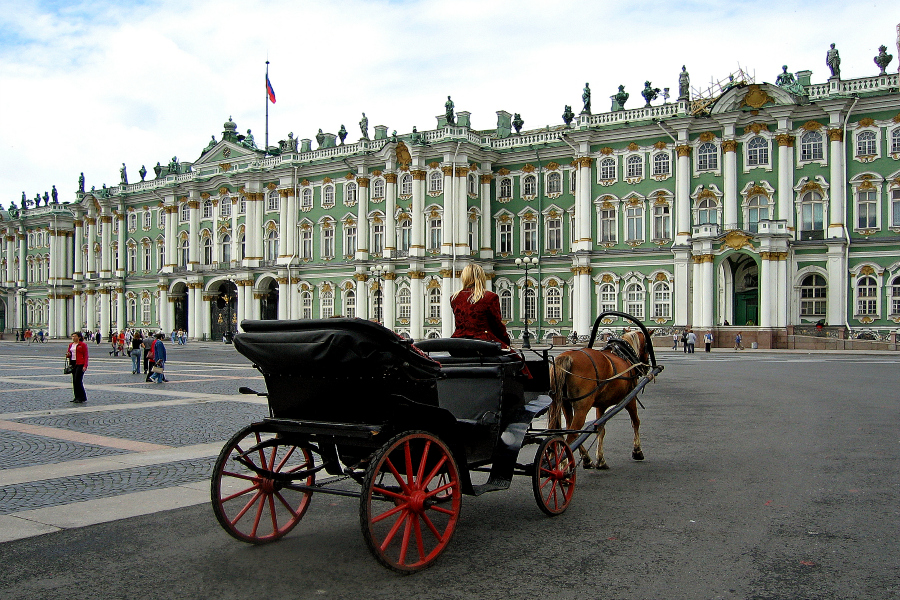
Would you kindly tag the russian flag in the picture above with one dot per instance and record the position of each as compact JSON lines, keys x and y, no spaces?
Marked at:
{"x":269,"y":91}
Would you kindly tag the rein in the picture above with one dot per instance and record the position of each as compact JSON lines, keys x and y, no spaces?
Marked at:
{"x":600,"y":383}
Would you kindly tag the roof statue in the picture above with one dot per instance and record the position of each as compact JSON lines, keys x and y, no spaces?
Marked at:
{"x":883,"y":59}
{"x":80,"y":184}
{"x":173,"y":166}
{"x":342,"y":133}
{"x":24,"y":199}
{"x":123,"y":175}
{"x":586,"y":99}
{"x":568,"y":115}
{"x":46,"y":199}
{"x":320,"y":137}
{"x":212,"y":144}
{"x":448,"y":111}
{"x":248,"y":141}
{"x":143,"y":172}
{"x":619,"y":99}
{"x":789,"y":82}
{"x":684,"y":84}
{"x":833,"y":60}
{"x":649,"y":93}
{"x":517,"y":122}
{"x":157,"y":169}
{"x":364,"y":126}
{"x":55,"y":195}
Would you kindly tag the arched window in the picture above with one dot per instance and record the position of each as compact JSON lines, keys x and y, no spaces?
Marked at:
{"x":206,"y":243}
{"x":434,"y":303}
{"x":306,"y":243}
{"x":866,"y":144}
{"x":327,"y":241}
{"x":708,"y":211}
{"x":326,"y":309}
{"x":529,"y":235}
{"x":160,"y":255}
{"x":273,"y":202}
{"x":131,"y":315}
{"x":434,"y":232}
{"x":866,"y":209}
{"x":350,"y":195}
{"x":504,"y":236}
{"x":662,"y":222}
{"x":506,"y":305}
{"x":306,"y":198}
{"x":225,"y":206}
{"x":607,"y":297}
{"x":895,"y":296}
{"x":242,"y":241}
{"x":529,"y":186}
{"x":607,"y":169}
{"x":378,"y":188}
{"x":472,"y":184}
{"x":132,"y":259}
{"x":435,"y":182}
{"x":185,"y":212}
{"x":146,"y":256}
{"x":813,"y":296}
{"x":148,"y":219}
{"x":226,"y":249}
{"x":406,"y":182}
{"x":634,"y":223}
{"x":350,"y":304}
{"x":608,"y":228}
{"x":404,"y":303}
{"x":554,"y":303}
{"x":145,"y":310}
{"x":404,"y":235}
{"x":185,"y":253}
{"x":378,"y":237}
{"x":812,"y":214}
{"x":758,"y":151}
{"x":349,"y":240}
{"x":811,"y":146}
{"x":530,"y":305}
{"x":272,"y":245}
{"x":895,"y":141}
{"x":328,"y":196}
{"x":662,"y":300}
{"x":207,"y":209}
{"x":634,"y":166}
{"x":505,"y":188}
{"x":554,"y":233}
{"x":707,"y":157}
{"x":757,"y":210}
{"x":554,"y":183}
{"x":661,"y":163}
{"x":866,"y":296}
{"x":132,"y":221}
{"x":307,"y":305}
{"x":634,"y":300}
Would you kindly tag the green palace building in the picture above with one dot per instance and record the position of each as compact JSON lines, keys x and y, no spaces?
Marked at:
{"x":768,"y":208}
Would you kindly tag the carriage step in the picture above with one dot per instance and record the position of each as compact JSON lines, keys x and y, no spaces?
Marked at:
{"x":492,"y":485}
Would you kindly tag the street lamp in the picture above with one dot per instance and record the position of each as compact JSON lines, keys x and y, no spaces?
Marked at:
{"x":228,"y":298}
{"x":378,"y":273}
{"x":526,"y":262}
{"x":22,"y":292}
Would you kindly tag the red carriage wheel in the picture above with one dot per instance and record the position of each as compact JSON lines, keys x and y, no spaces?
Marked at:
{"x":553,"y":480}
{"x":253,"y":508}
{"x":410,"y":501}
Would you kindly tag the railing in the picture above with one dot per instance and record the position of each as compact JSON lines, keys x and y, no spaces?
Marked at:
{"x":527,"y":139}
{"x":852,"y":86}
{"x":638,"y":114}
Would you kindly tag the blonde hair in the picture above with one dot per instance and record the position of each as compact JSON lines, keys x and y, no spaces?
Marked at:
{"x":473,"y":279}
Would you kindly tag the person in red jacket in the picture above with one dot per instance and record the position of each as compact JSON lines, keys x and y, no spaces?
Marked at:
{"x":78,"y":358}
{"x":477,"y":310}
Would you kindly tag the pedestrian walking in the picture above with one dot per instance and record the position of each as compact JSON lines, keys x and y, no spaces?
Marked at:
{"x":135,"y":352}
{"x":691,"y":341}
{"x":97,"y":337}
{"x":684,"y":341}
{"x":675,"y":341}
{"x":40,"y":336}
{"x":113,"y":343}
{"x":737,"y":341}
{"x":184,"y":337}
{"x":708,"y":340}
{"x":159,"y":356}
{"x":78,"y":359}
{"x":147,"y":344}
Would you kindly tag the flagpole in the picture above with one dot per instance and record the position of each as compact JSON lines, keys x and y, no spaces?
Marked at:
{"x":267,"y":107}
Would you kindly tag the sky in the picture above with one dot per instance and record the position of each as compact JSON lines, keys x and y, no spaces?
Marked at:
{"x":86,"y":86}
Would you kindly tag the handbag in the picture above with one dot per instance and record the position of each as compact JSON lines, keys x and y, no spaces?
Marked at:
{"x":156,"y":369}
{"x":69,"y":368}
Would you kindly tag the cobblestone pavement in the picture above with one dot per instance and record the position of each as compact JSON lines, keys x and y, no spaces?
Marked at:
{"x":131,"y":437}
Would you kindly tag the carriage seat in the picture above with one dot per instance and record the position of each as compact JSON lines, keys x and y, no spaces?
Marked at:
{"x":463,"y":351}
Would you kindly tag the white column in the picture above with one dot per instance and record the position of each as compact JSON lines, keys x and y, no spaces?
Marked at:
{"x":583,"y":213}
{"x":447,"y":323}
{"x":362,"y":231}
{"x":487,"y":219}
{"x":91,"y":310}
{"x":768,"y":288}
{"x":729,"y":159}
{"x":164,"y":324}
{"x":837,"y":188}
{"x":582,"y":320}
{"x":77,"y":309}
{"x":105,"y":325}
{"x":699,"y":295}
{"x":172,"y":216}
{"x":417,"y":247}
{"x":362,"y":296}
{"x":707,"y":317}
{"x":450,"y":216}
{"x":123,"y":249}
{"x":389,"y":300}
{"x":194,"y":235}
{"x":462,"y":208}
{"x":417,"y":314}
{"x":837,"y":285}
{"x":784,"y":291}
{"x":256,"y":232}
{"x":255,"y":306}
{"x":785,"y":196}
{"x":20,"y":236}
{"x":286,"y":245}
{"x":682,"y":300}
{"x":203,"y":316}
{"x":10,"y":258}
{"x":284,"y":300}
{"x":682,"y":200}
{"x":120,"y":308}
{"x":106,"y":246}
{"x":390,"y":220}
{"x":91,"y":267}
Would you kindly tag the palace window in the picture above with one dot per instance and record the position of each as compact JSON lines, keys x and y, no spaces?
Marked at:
{"x":435,"y":182}
{"x":350,"y":193}
{"x":554,"y":233}
{"x":207,"y":250}
{"x":813,"y":296}
{"x":758,"y":151}
{"x":185,"y":212}
{"x":662,"y":300}
{"x":242,"y":242}
{"x":895,"y":141}
{"x":225,"y":206}
{"x":661,"y":163}
{"x":472,"y":185}
{"x":306,"y":198}
{"x":185,"y":253}
{"x":707,"y":157}
{"x":529,"y":186}
{"x":207,"y":209}
{"x":472,"y":237}
{"x":378,"y":237}
{"x":242,"y":205}
{"x":757,"y":210}
{"x":506,"y":305}
{"x":866,"y":144}
{"x":378,"y":188}
{"x":608,"y":225}
{"x":895,"y":296}
{"x":662,"y":222}
{"x":434,"y":303}
{"x":226,"y":249}
{"x":328,"y":242}
{"x":272,"y":202}
{"x":328,"y":196}
{"x":132,"y":259}
{"x":146,"y":257}
{"x":306,"y":301}
{"x":634,"y":300}
{"x":132,"y":221}
{"x":634,"y":167}
{"x":812,"y":213}
{"x":350,"y":304}
{"x":145,"y":310}
{"x":434,"y":233}
{"x":530,"y":304}
{"x":529,"y":236}
{"x":866,"y":210}
{"x":607,"y":169}
{"x":504,"y":237}
{"x":148,"y":219}
{"x":404,"y":303}
{"x":607,"y":297}
{"x":811,"y":147}
{"x":895,"y":208}
{"x":326,"y":305}
{"x":306,"y":243}
{"x":708,"y":212}
{"x":132,"y":310}
{"x":404,"y":235}
{"x":554,"y":183}
{"x":406,"y":183}
{"x":378,"y":304}
{"x":271,"y":245}
{"x":349,"y":240}
{"x":505,"y":188}
{"x":160,"y":256}
{"x":554,"y":303}
{"x":866,"y":296}
{"x":634,"y":223}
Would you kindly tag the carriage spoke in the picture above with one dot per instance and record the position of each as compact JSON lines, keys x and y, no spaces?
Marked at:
{"x":272,"y":457}
{"x":420,"y":544}
{"x":437,"y":491}
{"x":396,"y":474}
{"x":404,"y":543}
{"x":388,"y":513}
{"x":434,"y":471}
{"x":441,"y":509}
{"x":286,"y":505}
{"x":259,"y":511}
{"x":437,"y":534}
{"x":394,"y":529}
{"x":244,"y":510}
{"x":389,"y":493}
{"x":241,"y":476}
{"x":407,"y":456}
{"x":235,"y":495}
{"x":274,"y":516}
{"x":422,"y":461}
{"x":285,"y":459}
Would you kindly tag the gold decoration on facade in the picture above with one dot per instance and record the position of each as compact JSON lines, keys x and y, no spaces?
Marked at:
{"x":326,"y":180}
{"x":756,"y":97}
{"x":404,"y":159}
{"x":736,"y":240}
{"x":784,"y":139}
{"x":305,"y":183}
{"x":529,"y":217}
{"x":585,"y":161}
{"x":811,"y":186}
{"x":702,"y":258}
{"x":390,"y":178}
{"x":683,"y":150}
{"x":606,"y":151}
{"x":660,"y":145}
{"x":349,"y":176}
{"x":634,"y":201}
{"x":866,"y":122}
{"x":418,"y":175}
{"x":729,"y":145}
{"x":836,"y":135}
{"x":707,"y":136}
{"x":528,"y":168}
{"x":361,"y":277}
{"x":486,"y":178}
{"x":389,"y":276}
{"x":661,"y":277}
{"x":271,"y":186}
{"x":461,"y":171}
{"x":504,"y":219}
{"x":606,"y":205}
{"x":363,"y":182}
{"x":633,"y":147}
{"x":867,"y":270}
{"x":757,"y":190}
{"x":607,"y":278}
{"x":416,"y":274}
{"x":205,"y":195}
{"x":755,"y":128}
{"x":707,"y":193}
{"x":434,"y":283}
{"x":503,"y":171}
{"x":811,"y":126}
{"x":434,"y":165}
{"x":224,"y":167}
{"x":867,"y":185}
{"x":552,"y":166}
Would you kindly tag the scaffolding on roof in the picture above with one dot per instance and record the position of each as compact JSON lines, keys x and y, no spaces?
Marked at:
{"x":703,"y":98}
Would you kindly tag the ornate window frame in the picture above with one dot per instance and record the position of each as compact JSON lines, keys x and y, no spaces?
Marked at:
{"x":551,"y":176}
{"x":528,"y":180}
{"x":606,"y":208}
{"x":435,"y":181}
{"x":708,"y":193}
{"x":554,"y":213}
{"x":529,"y":232}
{"x":635,"y":167}
{"x":661,"y":175}
{"x":802,"y":189}
{"x":797,"y":299}
{"x":633,"y":284}
{"x":351,"y":193}
{"x":862,"y":273}
{"x":608,"y":165}
{"x":327,"y":242}
{"x":350,"y":236}
{"x":661,"y":300}
{"x":869,"y":183}
{"x":553,"y":312}
{"x":328,"y":195}
{"x":707,"y":141}
{"x":607,"y":286}
{"x":273,"y":201}
{"x":871,"y":132}
{"x":801,"y":133}
{"x":663,"y":198}
{"x":754,"y":190}
{"x":767,"y":138}
{"x":307,"y":198}
{"x":892,"y":137}
{"x":504,"y":189}
{"x":379,"y":189}
{"x":504,"y":225}
{"x":634,"y":208}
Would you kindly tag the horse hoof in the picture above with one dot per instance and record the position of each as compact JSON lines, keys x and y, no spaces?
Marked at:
{"x":637,"y":455}
{"x":587,"y":464}
{"x":603,"y":467}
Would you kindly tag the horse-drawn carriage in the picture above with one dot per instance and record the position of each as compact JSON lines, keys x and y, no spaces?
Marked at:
{"x":399,"y":426}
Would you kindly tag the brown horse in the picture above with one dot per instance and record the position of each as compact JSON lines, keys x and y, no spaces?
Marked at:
{"x":586,"y":378}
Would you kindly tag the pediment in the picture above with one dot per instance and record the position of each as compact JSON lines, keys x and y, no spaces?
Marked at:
{"x":755,"y":96}
{"x":226,"y":152}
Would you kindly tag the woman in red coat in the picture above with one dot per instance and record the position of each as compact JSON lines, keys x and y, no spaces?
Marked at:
{"x":78,"y":358}
{"x":477,"y":310}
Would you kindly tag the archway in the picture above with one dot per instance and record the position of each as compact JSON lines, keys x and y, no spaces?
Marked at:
{"x":741,"y":278}
{"x":179,"y":298}
{"x":268,"y":301}
{"x":223,"y":311}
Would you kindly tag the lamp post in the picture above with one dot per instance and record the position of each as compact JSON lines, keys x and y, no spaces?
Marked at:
{"x":22,"y":292}
{"x":526,"y":262}
{"x":228,"y":297}
{"x":378,"y":273}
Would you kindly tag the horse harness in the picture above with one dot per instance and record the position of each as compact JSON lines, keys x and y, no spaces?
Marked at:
{"x":620,"y":348}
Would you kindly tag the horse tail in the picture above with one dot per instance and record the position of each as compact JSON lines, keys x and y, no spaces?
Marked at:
{"x":559,"y":369}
